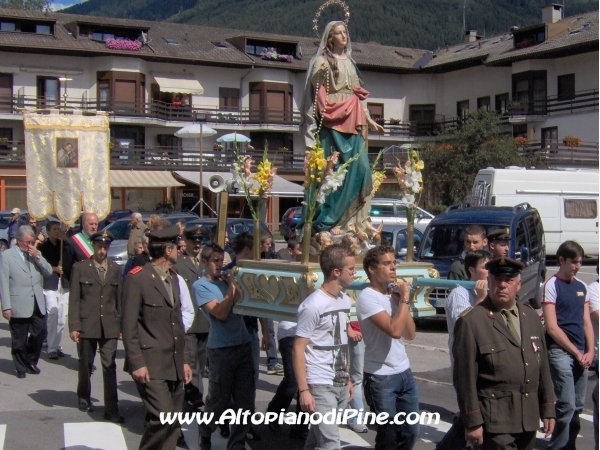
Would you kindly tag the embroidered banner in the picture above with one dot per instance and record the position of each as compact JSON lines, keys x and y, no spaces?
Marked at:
{"x":68,"y":164}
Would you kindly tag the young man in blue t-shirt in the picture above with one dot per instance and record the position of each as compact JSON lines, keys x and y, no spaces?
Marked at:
{"x":570,"y":339}
{"x":229,"y":349}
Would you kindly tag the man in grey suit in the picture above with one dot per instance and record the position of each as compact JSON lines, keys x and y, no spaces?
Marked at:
{"x":22,"y":271}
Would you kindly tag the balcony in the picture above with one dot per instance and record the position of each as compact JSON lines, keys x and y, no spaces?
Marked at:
{"x":157,"y":111}
{"x":559,"y":154}
{"x":580,"y":102}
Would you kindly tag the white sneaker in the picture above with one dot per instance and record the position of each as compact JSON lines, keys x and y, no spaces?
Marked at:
{"x":358,"y":428}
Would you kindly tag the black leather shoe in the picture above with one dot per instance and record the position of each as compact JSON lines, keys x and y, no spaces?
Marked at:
{"x":181,"y":441}
{"x":21,"y":374}
{"x":114,"y":418}
{"x":85,"y":406}
{"x":33,"y":369}
{"x":224,"y":430}
{"x":204,"y":442}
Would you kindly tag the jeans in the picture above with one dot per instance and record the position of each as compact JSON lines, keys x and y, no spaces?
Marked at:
{"x":255,"y":354}
{"x":326,"y":436}
{"x":393,"y":394}
{"x":56,"y":311}
{"x":230,"y":377}
{"x":357,"y":362}
{"x":570,"y":384}
{"x":288,"y":386}
{"x":272,"y":359}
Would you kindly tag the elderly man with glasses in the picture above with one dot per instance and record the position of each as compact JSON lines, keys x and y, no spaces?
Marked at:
{"x":22,"y":271}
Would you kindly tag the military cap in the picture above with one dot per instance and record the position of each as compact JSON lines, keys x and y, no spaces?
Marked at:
{"x":504,"y":266}
{"x":195,"y":234}
{"x":164,"y":236}
{"x":102,"y":236}
{"x":502,"y":234}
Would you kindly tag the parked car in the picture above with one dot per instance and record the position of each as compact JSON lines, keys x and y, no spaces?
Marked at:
{"x":289,"y":220}
{"x":120,"y":230}
{"x":234,"y":227}
{"x":396,"y":236}
{"x":114,"y":215}
{"x":443,"y":243}
{"x":392,"y":211}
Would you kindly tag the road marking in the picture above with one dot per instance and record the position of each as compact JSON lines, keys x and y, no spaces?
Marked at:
{"x":101,"y":436}
{"x":587,"y":417}
{"x":349,"y":438}
{"x":2,"y":436}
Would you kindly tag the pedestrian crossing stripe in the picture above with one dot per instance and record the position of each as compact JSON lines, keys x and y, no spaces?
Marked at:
{"x":2,"y":436}
{"x":98,"y":435}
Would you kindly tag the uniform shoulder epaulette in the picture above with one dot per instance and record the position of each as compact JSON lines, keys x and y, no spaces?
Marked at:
{"x":135,"y":270}
{"x":466,"y":311}
{"x":527,"y":304}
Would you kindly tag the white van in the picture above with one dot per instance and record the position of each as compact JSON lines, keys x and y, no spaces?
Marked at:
{"x":567,"y":201}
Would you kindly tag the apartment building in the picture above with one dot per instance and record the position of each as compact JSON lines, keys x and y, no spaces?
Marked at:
{"x":156,"y":77}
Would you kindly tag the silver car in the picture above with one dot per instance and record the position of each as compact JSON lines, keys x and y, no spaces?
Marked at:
{"x":392,"y":211}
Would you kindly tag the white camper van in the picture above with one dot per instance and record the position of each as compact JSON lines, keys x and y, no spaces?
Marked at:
{"x":567,"y":201}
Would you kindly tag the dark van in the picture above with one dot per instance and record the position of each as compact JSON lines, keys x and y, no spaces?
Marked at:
{"x":443,"y":243}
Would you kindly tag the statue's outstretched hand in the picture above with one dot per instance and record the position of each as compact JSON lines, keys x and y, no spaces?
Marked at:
{"x":376,"y":126}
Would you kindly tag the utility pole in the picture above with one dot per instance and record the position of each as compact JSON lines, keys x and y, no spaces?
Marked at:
{"x":464,"y":18}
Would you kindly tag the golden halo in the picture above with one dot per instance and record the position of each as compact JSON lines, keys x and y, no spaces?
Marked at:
{"x":342,"y":3}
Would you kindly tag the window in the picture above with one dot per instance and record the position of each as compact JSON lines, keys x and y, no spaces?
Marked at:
{"x":520,"y":130}
{"x":376,"y":111}
{"x":483,"y":103}
{"x":229,"y":98}
{"x":550,"y":138}
{"x":6,"y":87}
{"x":382,"y":211}
{"x":122,"y":92}
{"x":529,"y":92}
{"x":48,"y":91}
{"x":7,"y":26}
{"x":462,"y":109}
{"x":421,"y":113}
{"x":566,"y":87}
{"x":256,"y":47}
{"x":170,"y":41}
{"x":502,"y":103}
{"x":521,"y":236}
{"x":43,"y":29}
{"x":581,"y":209}
{"x":527,"y":38}
{"x":271,"y":102}
{"x":533,"y":237}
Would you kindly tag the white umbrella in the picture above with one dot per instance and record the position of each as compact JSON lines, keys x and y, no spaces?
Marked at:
{"x":233,"y":137}
{"x":194,"y":131}
{"x":197,"y":130}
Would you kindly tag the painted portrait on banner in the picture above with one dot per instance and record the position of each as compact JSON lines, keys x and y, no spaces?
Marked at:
{"x":67,"y":152}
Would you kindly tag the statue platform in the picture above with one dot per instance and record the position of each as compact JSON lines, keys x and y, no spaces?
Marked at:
{"x":274,"y":288}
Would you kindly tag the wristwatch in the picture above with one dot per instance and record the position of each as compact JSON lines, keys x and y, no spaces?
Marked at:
{"x":407,"y":302}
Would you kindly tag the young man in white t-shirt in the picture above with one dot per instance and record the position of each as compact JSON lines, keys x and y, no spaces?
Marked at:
{"x":385,"y":318}
{"x":320,"y":351}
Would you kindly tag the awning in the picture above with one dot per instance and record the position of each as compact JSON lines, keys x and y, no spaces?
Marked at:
{"x":281,"y":186}
{"x":142,"y":179}
{"x":182,"y":84}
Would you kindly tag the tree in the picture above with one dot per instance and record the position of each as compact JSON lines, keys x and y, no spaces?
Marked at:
{"x":452,"y":163}
{"x":40,"y":5}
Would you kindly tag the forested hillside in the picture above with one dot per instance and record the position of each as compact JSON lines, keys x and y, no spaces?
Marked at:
{"x":425,"y":24}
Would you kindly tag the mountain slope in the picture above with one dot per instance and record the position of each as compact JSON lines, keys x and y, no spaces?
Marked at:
{"x":426,"y":24}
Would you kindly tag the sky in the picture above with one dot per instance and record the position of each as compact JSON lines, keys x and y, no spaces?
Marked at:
{"x":60,"y":4}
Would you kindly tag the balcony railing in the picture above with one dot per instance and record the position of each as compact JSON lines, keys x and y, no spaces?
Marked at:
{"x":586,"y":154}
{"x":580,"y":101}
{"x":156,"y":110}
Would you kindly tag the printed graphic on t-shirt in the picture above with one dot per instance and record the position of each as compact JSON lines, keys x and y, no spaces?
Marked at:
{"x":339,"y":349}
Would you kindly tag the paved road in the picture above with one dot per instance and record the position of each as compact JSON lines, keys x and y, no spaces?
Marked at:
{"x":40,"y":412}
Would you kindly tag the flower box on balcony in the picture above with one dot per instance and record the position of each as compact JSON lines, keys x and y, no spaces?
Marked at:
{"x":123,"y":44}
{"x":572,"y":141}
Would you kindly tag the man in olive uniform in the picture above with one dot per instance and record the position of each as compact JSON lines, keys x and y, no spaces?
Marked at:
{"x":501,"y":370}
{"x":154,"y":338}
{"x":189,"y":267}
{"x":94,"y":321}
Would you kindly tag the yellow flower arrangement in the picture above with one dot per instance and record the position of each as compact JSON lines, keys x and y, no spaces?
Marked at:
{"x":258,"y":184}
{"x":377,"y":175}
